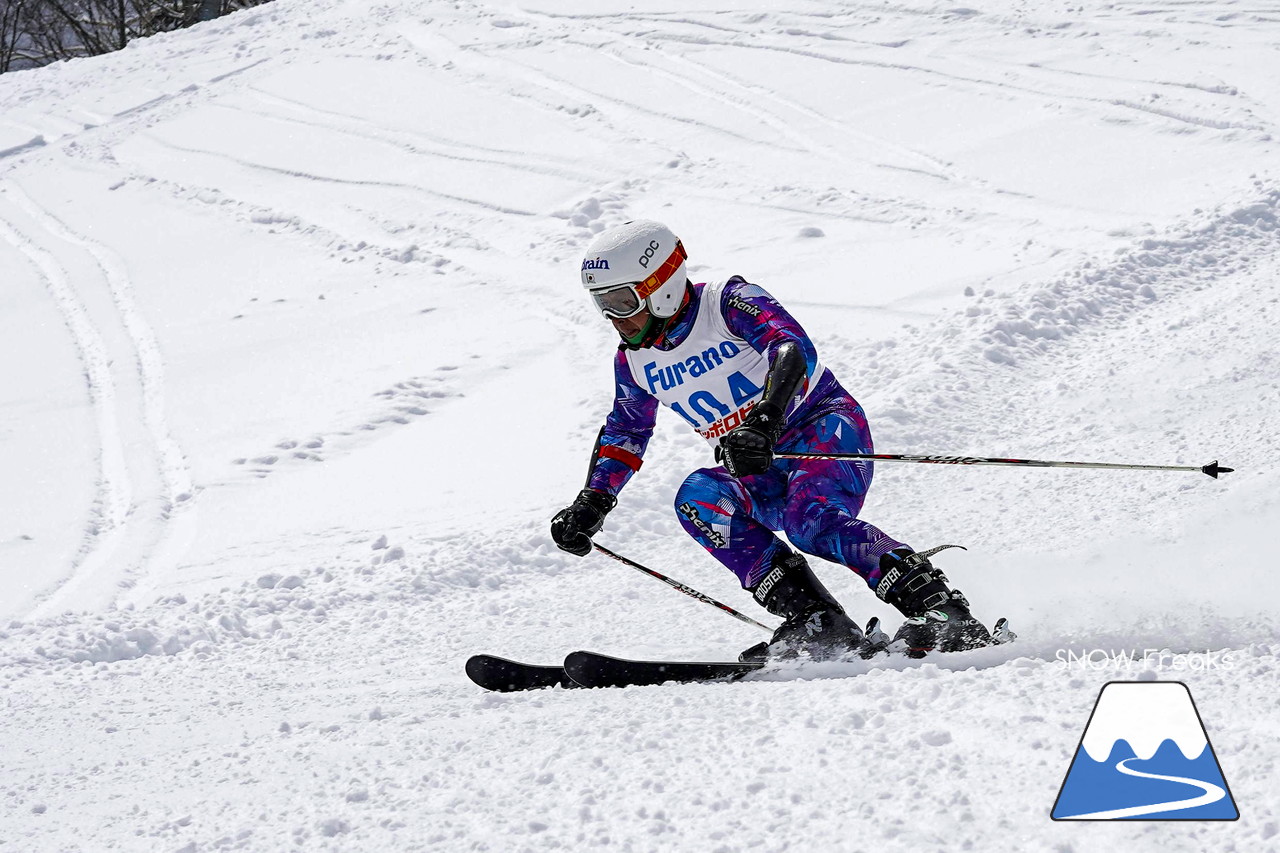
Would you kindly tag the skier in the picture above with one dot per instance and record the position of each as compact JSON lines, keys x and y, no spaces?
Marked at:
{"x":732,"y":362}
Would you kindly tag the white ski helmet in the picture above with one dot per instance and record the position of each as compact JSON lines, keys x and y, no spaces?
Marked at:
{"x":637,"y":264}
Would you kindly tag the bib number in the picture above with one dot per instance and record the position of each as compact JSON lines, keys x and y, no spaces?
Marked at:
{"x":707,"y":406}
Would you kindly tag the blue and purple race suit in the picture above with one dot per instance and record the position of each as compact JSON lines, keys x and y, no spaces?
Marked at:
{"x":709,"y":368}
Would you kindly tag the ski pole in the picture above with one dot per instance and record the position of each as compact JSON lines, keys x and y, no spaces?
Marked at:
{"x":1213,"y":469}
{"x":687,"y":590}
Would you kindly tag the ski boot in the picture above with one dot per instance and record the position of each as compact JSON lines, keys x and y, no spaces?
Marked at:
{"x":814,"y":622}
{"x":938,"y":617}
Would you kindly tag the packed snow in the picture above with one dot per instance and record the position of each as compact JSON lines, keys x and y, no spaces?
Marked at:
{"x":298,"y":368}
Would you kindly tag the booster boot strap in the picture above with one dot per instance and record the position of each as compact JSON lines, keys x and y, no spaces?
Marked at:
{"x":911,"y":583}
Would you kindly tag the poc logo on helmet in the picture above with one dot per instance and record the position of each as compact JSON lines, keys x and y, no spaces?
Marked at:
{"x":648,"y":253}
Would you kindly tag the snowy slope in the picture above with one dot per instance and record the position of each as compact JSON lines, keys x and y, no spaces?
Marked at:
{"x":297,"y":368}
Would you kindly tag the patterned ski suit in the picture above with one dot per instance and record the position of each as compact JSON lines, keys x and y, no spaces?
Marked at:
{"x":710,"y":369}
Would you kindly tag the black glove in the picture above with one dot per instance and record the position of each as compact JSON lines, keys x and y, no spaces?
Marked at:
{"x":573,"y":526}
{"x":748,"y":449}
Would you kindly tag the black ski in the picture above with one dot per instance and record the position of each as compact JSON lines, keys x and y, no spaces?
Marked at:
{"x":590,"y":669}
{"x":508,"y":676}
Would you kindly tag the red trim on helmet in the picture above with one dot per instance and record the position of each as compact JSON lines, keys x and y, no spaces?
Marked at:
{"x":663,"y":273}
{"x":626,"y":457}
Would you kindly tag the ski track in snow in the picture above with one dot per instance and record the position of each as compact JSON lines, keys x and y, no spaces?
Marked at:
{"x":746,"y":40}
{"x":416,"y":144}
{"x":394,"y":186}
{"x":114,"y":491}
{"x":303,"y":688}
{"x":148,"y":359}
{"x":125,"y":528}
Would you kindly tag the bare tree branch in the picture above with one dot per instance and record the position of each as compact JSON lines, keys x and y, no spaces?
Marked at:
{"x":37,"y":32}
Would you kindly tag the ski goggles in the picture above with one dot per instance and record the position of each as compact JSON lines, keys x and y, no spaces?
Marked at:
{"x":618,"y":302}
{"x":621,"y":301}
